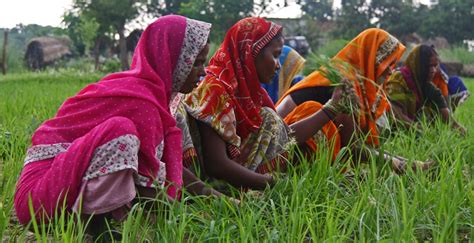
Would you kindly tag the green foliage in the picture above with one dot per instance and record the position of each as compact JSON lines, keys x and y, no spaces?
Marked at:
{"x":159,"y":8}
{"x":452,"y":19}
{"x":320,"y":10}
{"x":398,"y":17}
{"x":457,"y":54}
{"x":110,"y":65}
{"x":222,"y":14}
{"x":314,"y":201}
{"x":449,"y":18}
{"x":354,"y":17}
{"x":72,"y":20}
{"x":109,"y":13}
{"x":316,"y":33}
{"x":331,"y":68}
{"x":78,"y":64}
{"x":330,"y":49}
{"x":107,"y":17}
{"x":212,"y":49}
{"x":87,"y":31}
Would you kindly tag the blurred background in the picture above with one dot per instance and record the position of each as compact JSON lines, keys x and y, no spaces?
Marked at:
{"x":100,"y":35}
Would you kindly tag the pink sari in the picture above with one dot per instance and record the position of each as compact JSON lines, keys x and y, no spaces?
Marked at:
{"x":123,"y":122}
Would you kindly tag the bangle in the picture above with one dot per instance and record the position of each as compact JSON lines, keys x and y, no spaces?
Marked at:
{"x":327,"y":113}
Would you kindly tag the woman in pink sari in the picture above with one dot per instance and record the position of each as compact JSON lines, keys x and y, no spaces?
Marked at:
{"x":117,"y":138}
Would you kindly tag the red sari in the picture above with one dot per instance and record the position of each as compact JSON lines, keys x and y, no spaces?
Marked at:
{"x":231,"y":100}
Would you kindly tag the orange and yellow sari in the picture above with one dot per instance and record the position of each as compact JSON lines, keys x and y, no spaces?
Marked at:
{"x":370,"y":54}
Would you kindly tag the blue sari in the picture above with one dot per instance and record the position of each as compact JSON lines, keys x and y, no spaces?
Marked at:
{"x":291,"y":64}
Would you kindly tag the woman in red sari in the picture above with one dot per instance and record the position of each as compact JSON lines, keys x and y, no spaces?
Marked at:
{"x":241,"y":135}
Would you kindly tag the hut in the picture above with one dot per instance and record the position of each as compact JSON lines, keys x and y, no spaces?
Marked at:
{"x":43,"y":51}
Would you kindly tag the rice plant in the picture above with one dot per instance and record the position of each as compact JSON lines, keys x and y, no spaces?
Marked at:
{"x":312,"y":201}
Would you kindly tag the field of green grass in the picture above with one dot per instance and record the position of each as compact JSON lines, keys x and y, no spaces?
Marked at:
{"x":313,"y":202}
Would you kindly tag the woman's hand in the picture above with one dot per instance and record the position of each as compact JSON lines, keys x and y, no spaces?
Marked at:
{"x":337,"y":94}
{"x":218,"y":164}
{"x":343,"y":100}
{"x":460,"y":129}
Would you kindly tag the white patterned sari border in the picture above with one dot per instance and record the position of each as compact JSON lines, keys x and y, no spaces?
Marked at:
{"x":44,"y":151}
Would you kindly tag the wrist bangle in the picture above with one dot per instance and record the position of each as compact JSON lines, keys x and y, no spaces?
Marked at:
{"x":327,"y":113}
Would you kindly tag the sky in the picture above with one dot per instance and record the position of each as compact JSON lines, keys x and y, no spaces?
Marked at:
{"x":42,"y":12}
{"x":49,"y":12}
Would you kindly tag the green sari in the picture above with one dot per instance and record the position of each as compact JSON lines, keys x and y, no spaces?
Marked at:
{"x":408,"y":89}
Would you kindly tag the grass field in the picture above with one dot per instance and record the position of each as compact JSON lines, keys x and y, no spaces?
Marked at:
{"x":312,"y":202}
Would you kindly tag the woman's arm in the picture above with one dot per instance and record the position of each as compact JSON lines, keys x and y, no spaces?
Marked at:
{"x":218,"y":164}
{"x":195,"y":186}
{"x":306,"y":128}
{"x":401,"y":118}
{"x":447,"y":118}
{"x":286,"y":106}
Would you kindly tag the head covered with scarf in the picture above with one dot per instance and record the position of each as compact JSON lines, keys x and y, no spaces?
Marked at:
{"x":410,"y":87}
{"x":230,"y":96}
{"x":369,"y":55}
{"x":162,"y":61}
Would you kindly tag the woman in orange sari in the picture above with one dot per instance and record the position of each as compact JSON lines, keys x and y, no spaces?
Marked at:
{"x":373,"y":53}
{"x":371,"y":56}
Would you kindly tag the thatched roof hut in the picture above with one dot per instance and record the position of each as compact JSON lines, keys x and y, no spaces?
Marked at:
{"x":42,"y":51}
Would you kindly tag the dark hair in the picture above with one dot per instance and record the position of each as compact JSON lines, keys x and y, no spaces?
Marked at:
{"x":426,"y":52}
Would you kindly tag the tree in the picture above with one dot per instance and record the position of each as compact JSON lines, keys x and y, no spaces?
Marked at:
{"x":3,"y":63}
{"x":87,"y":30}
{"x":72,"y":20}
{"x":111,"y":14}
{"x":221,"y":13}
{"x":397,"y":17}
{"x":452,"y":19}
{"x":320,"y":10}
{"x":159,"y":8}
{"x":353,"y":18}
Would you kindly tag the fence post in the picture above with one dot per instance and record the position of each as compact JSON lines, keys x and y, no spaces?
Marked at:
{"x":4,"y":53}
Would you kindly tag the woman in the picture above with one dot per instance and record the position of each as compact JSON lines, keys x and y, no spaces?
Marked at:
{"x":366,"y":62}
{"x":292,"y":64}
{"x":412,"y":90}
{"x":241,"y":135}
{"x":371,"y":54}
{"x":117,"y":138}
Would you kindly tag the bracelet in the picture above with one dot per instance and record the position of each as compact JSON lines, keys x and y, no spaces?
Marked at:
{"x":327,"y":113}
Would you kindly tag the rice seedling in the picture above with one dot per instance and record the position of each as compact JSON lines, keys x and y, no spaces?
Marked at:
{"x":312,"y":201}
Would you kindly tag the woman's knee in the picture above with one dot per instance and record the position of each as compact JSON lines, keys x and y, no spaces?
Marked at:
{"x":120,"y":125}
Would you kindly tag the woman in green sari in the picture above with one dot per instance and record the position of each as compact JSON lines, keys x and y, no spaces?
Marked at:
{"x":412,"y":93}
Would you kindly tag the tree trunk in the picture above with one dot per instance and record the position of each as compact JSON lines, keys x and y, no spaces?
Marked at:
{"x":123,"y":49}
{"x":96,"y":53}
{"x":4,"y":54}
